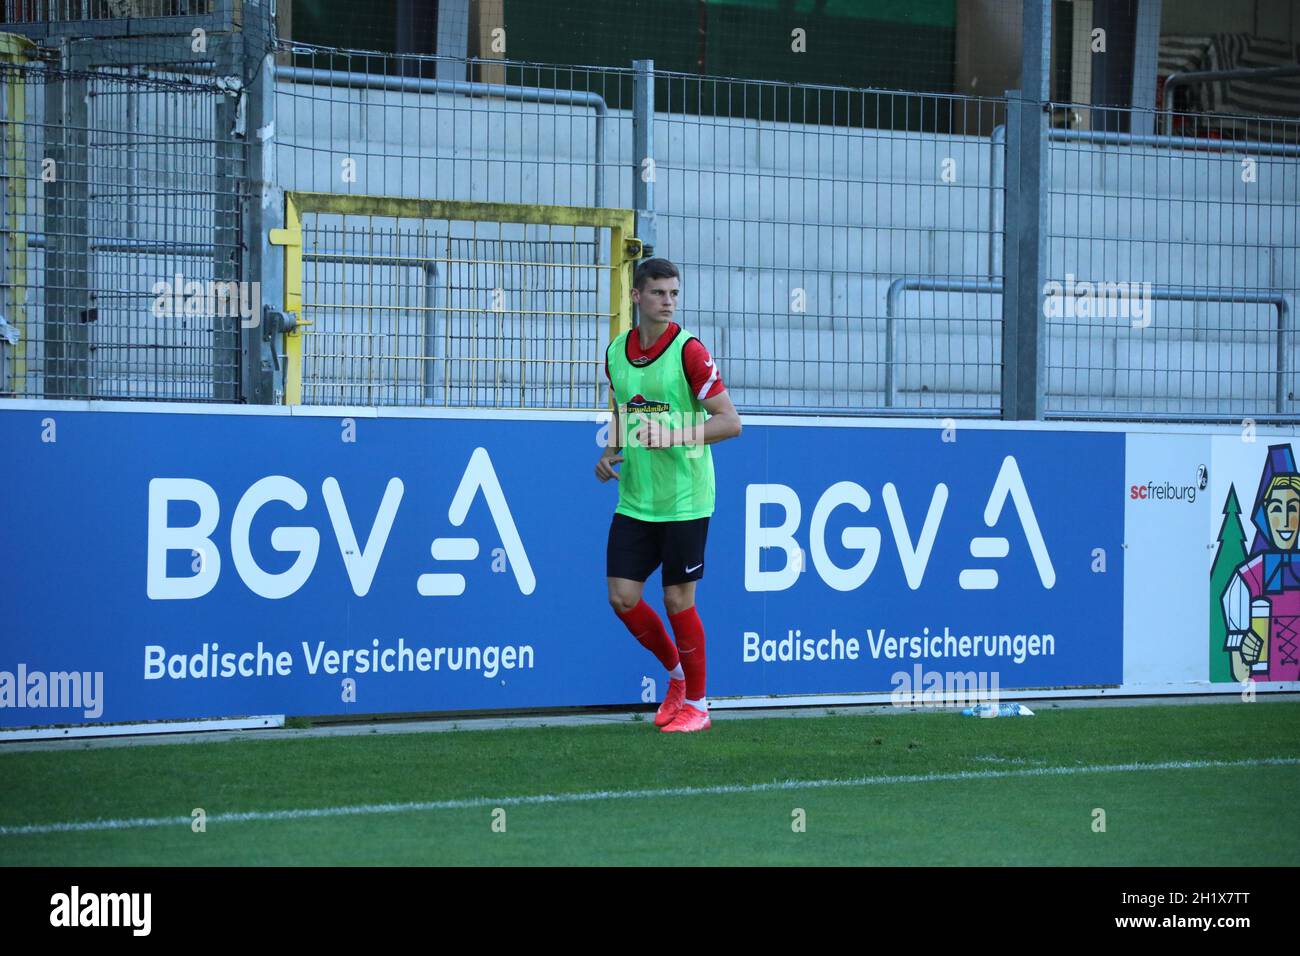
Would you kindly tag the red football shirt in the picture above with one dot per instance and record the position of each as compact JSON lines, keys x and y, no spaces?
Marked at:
{"x":703,"y":375}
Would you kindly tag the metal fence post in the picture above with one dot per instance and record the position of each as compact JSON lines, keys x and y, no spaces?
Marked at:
{"x":1024,"y":335}
{"x":262,"y":376}
{"x":1146,"y":54}
{"x":14,"y":281}
{"x":643,"y":149}
{"x":68,"y":307}
{"x":227,"y":142}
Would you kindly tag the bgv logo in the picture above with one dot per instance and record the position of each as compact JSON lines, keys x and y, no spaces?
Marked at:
{"x":915,"y":555}
{"x":360,"y":563}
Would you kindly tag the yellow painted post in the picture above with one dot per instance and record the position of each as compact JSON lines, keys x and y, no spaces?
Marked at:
{"x":624,"y":250}
{"x":291,"y":238}
{"x":620,"y":314}
{"x":13,"y":162}
{"x":623,"y":253}
{"x":620,"y":303}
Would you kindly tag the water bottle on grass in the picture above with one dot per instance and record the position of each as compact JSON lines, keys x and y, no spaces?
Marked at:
{"x":998,"y":710}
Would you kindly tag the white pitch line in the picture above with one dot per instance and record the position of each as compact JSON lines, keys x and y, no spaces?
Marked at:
{"x":252,"y":816}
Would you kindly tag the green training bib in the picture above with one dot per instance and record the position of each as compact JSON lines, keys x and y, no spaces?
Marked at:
{"x":660,"y":484}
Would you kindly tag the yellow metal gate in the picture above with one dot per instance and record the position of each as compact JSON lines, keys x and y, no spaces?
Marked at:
{"x":448,"y":303}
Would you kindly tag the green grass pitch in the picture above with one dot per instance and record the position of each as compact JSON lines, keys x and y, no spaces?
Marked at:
{"x":1007,"y":811}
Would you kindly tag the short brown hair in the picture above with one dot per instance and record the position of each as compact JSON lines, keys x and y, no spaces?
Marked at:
{"x":655,"y":269}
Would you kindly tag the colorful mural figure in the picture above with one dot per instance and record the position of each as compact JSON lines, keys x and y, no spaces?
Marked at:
{"x":1255,"y":611}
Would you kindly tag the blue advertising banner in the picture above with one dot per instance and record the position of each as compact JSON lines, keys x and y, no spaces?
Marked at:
{"x":205,"y":564}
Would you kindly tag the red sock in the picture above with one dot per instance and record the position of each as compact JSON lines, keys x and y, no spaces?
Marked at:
{"x":646,"y":627}
{"x":690,"y":644}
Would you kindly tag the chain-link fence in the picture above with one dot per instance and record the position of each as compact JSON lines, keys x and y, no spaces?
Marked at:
{"x":793,"y":211}
{"x":831,"y":240}
{"x":844,"y":249}
{"x":468,"y":313}
{"x":385,"y":125}
{"x":410,"y":310}
{"x":121,"y":191}
{"x":1173,"y":269}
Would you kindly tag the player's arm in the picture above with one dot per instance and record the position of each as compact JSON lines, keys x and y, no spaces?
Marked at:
{"x":705,"y":380}
{"x":610,"y":457}
{"x":723,"y":423}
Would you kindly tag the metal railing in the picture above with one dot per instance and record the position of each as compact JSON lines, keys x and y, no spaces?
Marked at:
{"x":1199,"y":234}
{"x":1276,"y":300}
{"x":792,"y":210}
{"x":1176,"y":80}
{"x":424,"y":84}
{"x":383,"y":124}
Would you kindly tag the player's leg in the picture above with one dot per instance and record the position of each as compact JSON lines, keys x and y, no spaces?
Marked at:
{"x":679,"y":597}
{"x":631,"y":555}
{"x":683,"y":569}
{"x":624,"y":594}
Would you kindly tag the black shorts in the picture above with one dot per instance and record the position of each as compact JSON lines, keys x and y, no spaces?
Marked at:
{"x":637,"y":547}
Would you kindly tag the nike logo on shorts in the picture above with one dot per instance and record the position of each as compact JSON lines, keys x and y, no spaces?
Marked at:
{"x":696,"y":568}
